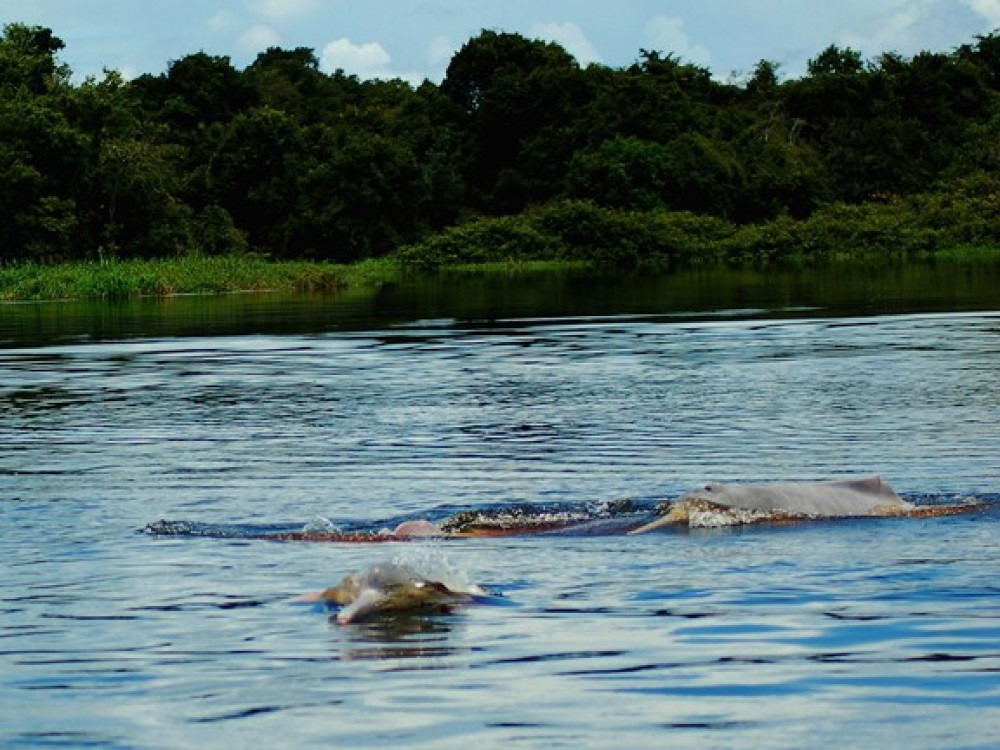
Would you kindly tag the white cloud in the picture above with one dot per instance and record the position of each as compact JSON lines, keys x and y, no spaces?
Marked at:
{"x":988,"y":9}
{"x":257,"y":39}
{"x":279,"y":11}
{"x":897,"y":30}
{"x":366,"y":60}
{"x":572,"y":39}
{"x":667,"y":35}
{"x":910,"y":26}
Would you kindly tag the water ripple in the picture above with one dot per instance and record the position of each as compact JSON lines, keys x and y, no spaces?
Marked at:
{"x":735,"y":637}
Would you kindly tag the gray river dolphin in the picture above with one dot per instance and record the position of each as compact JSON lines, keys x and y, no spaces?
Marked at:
{"x":731,"y":504}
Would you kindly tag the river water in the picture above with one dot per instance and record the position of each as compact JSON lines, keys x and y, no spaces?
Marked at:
{"x":259,"y":412}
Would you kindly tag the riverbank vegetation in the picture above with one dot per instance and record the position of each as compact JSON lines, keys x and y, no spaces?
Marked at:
{"x":283,"y":172}
{"x":119,"y":279}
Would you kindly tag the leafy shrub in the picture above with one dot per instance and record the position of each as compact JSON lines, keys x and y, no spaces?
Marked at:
{"x":487,"y":240}
{"x":588,"y":232}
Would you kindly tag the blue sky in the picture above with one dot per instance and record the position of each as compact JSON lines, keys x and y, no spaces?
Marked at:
{"x":415,"y":39}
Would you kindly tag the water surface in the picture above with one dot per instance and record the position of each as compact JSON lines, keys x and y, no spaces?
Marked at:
{"x":421,"y":401}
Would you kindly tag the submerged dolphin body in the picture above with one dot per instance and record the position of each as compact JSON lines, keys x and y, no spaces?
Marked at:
{"x":730,"y":504}
{"x":395,"y":588}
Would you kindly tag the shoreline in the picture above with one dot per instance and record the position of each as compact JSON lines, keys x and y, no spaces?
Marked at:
{"x":117,"y":280}
{"x":120,"y":280}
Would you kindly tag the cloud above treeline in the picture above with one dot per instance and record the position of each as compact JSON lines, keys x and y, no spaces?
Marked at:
{"x":571,"y":37}
{"x":366,"y":60}
{"x":416,"y":40}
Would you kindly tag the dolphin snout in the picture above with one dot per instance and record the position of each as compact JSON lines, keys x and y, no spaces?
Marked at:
{"x":659,"y":523}
{"x":367,"y":602}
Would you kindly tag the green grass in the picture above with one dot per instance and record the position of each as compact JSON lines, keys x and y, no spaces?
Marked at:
{"x":123,"y":279}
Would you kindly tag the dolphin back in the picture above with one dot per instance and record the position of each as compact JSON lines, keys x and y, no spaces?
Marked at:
{"x":855,"y":497}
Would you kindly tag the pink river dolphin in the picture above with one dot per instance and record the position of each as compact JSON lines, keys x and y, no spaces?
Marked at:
{"x":393,"y":588}
{"x":731,"y":504}
{"x":708,"y":506}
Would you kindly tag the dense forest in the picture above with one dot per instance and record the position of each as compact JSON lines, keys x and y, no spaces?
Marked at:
{"x":519,"y":152}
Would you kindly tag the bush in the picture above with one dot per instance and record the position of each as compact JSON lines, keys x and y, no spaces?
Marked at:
{"x":597,"y":235}
{"x":490,"y":240}
{"x":960,"y":214}
{"x":773,"y":241}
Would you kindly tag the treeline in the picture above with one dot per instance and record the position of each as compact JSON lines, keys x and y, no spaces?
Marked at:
{"x":520,"y":152}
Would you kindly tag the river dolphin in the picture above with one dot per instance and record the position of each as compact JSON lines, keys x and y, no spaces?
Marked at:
{"x":395,"y":588}
{"x":730,"y":504}
{"x":712,"y":505}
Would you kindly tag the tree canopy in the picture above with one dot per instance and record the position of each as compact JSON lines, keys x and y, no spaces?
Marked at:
{"x":285,"y":160}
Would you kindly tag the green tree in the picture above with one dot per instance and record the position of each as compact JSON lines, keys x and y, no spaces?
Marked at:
{"x":254,"y":175}
{"x":835,"y":61}
{"x":783,"y":175}
{"x":985,"y":55}
{"x":358,"y":196}
{"x":28,"y":60}
{"x":504,"y":90}
{"x":888,"y":128}
{"x":197,"y":90}
{"x":42,"y":156}
{"x":705,"y":176}
{"x":764,"y":79}
{"x":290,"y":81}
{"x":139,"y":183}
{"x":627,"y":173}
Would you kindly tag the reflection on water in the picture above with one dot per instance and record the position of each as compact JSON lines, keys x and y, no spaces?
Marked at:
{"x":250,"y":412}
{"x":400,"y":636}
